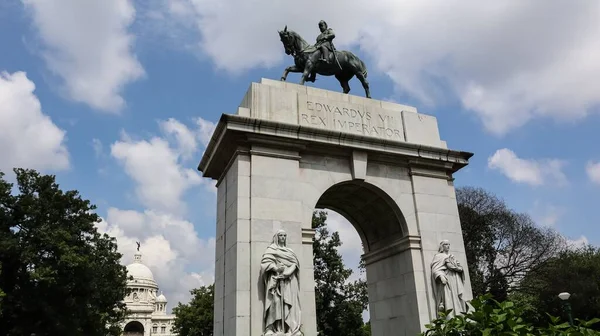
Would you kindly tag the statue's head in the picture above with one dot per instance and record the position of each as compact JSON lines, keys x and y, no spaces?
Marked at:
{"x":444,"y":246}
{"x":280,"y":238}
{"x":322,"y":25}
{"x":286,"y":39}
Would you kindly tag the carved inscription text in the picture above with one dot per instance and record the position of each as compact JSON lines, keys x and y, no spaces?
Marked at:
{"x":352,"y":119}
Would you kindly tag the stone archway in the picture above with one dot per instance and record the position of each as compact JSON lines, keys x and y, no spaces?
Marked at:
{"x":290,"y":149}
{"x":133,"y":328}
{"x":388,"y":257}
{"x":374,"y":215}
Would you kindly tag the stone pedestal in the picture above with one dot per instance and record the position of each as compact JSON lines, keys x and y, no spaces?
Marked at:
{"x":291,"y":149}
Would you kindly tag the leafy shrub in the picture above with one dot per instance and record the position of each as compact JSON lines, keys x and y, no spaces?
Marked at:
{"x":492,"y":318}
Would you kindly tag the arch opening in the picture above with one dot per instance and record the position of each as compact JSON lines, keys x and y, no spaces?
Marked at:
{"x":373,"y":213}
{"x":133,"y":328}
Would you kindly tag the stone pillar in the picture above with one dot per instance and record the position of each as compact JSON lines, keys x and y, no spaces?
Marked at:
{"x":232,"y":264}
{"x":276,"y":203}
{"x":437,"y":219}
{"x":258,"y":195}
{"x":395,"y":279}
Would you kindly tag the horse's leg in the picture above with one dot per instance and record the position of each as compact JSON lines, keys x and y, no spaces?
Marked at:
{"x":346,"y":87}
{"x":344,"y":84}
{"x":343,"y":79}
{"x":304,"y":76}
{"x":307,"y":71}
{"x":289,"y":69}
{"x":365,"y":83}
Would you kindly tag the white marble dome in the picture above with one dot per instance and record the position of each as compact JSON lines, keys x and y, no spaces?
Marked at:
{"x":161,"y":298}
{"x":139,"y":271}
{"x":146,"y":313}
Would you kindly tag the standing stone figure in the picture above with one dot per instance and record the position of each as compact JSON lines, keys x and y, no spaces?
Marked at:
{"x":279,"y":270}
{"x":448,"y":278}
{"x":324,"y":41}
{"x":152,"y":296}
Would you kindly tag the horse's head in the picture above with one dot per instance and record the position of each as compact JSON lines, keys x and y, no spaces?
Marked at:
{"x":287,"y":38}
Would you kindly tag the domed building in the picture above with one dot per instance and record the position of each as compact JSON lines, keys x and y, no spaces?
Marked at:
{"x":147,"y":309}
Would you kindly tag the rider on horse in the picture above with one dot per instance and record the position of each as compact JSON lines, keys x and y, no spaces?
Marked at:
{"x":324,"y":41}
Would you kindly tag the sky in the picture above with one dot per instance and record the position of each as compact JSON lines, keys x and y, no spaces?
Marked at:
{"x":118,"y":99}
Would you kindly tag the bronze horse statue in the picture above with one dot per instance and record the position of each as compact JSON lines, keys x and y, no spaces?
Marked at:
{"x":342,"y":64}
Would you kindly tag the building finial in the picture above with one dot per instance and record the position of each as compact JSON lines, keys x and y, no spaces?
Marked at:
{"x":138,"y":245}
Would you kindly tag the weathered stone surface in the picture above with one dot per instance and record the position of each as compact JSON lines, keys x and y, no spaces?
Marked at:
{"x":294,"y":148}
{"x":308,"y":106}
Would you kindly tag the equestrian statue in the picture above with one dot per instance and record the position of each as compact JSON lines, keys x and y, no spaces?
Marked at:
{"x":323,"y":59}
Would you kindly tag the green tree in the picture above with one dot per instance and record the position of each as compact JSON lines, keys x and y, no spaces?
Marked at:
{"x":502,"y":246}
{"x":59,"y":275}
{"x":339,"y":303}
{"x":196,"y":317}
{"x":575,"y":271}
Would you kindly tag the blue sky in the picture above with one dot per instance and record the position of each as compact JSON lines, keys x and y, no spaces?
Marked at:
{"x":126,"y":94}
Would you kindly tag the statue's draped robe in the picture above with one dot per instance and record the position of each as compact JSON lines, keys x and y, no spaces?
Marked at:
{"x":451,"y":294}
{"x":274,"y":256}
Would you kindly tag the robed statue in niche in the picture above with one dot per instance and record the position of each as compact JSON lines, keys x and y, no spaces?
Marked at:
{"x":448,"y":279}
{"x":279,"y":269}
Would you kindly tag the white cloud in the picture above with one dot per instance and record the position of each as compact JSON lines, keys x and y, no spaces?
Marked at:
{"x":178,"y":258}
{"x":593,"y":171}
{"x":185,"y":138}
{"x":158,"y":166}
{"x":154,"y":166}
{"x":507,"y":61}
{"x":86,"y":43}
{"x":546,"y":214}
{"x":205,"y":130}
{"x":98,"y":147}
{"x":28,"y":137}
{"x":582,"y":241}
{"x":532,"y":172}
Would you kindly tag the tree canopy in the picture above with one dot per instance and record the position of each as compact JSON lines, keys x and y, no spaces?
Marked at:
{"x":339,"y":303}
{"x":196,"y":318}
{"x":510,"y":257}
{"x":502,"y":246}
{"x":576,"y":271}
{"x":58,"y":275}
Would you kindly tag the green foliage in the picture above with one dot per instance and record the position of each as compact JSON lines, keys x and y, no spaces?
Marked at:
{"x":366,"y":329}
{"x":58,"y":275}
{"x":510,"y":257}
{"x":574,"y":271}
{"x":196,"y":317}
{"x":490,"y":317}
{"x":501,"y":244}
{"x":339,"y":304}
{"x":2,"y":295}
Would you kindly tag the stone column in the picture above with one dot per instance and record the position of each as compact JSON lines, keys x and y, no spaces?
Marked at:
{"x":276,"y":203}
{"x":258,"y":195}
{"x":395,"y":281}
{"x":232,"y":262}
{"x":437,"y":217}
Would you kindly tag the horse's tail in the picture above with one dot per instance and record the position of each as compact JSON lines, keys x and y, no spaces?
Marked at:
{"x":358,"y":64}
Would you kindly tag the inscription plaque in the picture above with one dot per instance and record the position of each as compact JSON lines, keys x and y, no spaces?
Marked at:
{"x":349,"y":117}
